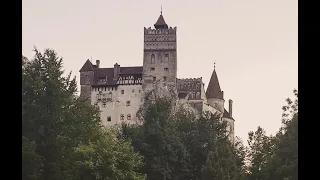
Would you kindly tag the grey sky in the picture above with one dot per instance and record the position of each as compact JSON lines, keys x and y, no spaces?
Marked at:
{"x":254,"y":44}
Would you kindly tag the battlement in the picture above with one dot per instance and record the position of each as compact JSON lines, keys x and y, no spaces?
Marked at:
{"x":189,"y":80}
{"x":151,"y":31}
{"x":189,"y":84}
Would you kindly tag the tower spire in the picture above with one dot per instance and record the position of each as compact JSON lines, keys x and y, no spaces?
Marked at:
{"x":161,"y":24}
{"x":214,"y":66}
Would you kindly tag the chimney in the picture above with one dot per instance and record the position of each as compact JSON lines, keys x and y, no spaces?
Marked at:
{"x":230,"y":107}
{"x":116,"y":71}
{"x":98,"y":63}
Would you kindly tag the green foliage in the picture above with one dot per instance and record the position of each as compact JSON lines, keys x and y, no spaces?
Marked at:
{"x":62,"y":135}
{"x":178,"y":145}
{"x":276,"y":157}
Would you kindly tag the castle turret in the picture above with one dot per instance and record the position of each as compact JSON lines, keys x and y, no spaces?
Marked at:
{"x":86,"y":80}
{"x":214,"y":94}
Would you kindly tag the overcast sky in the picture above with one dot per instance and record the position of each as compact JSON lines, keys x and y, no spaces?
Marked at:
{"x":254,"y":44}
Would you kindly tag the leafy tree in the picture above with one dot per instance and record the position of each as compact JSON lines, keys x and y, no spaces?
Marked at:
{"x":276,"y":157}
{"x":59,"y":129}
{"x":158,"y":141}
{"x":177,"y":144}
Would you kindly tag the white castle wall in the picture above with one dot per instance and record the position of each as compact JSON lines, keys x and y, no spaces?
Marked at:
{"x":118,"y":104}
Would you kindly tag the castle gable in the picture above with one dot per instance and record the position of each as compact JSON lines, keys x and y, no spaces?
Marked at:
{"x":226,"y":115}
{"x":108,"y":74}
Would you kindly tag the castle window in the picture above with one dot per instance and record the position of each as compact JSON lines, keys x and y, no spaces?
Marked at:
{"x":122,"y":117}
{"x":122,"y":91}
{"x":104,"y":105}
{"x":166,"y":69}
{"x":154,"y":78}
{"x":128,"y":103}
{"x":129,"y":117}
{"x":99,"y":97}
{"x":164,"y":84}
{"x":153,"y":59}
{"x":109,"y":118}
{"x":139,"y":91}
{"x":132,"y":90}
{"x":152,"y":69}
{"x":102,"y":80}
{"x":166,"y":58}
{"x":164,"y":78}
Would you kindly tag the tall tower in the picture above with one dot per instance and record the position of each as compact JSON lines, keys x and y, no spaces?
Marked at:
{"x":86,"y":80}
{"x":160,"y":55}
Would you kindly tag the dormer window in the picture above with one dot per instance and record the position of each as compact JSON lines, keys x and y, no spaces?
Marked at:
{"x":102,"y":80}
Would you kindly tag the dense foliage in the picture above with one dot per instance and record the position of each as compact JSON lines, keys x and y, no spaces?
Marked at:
{"x":62,"y":137}
{"x":178,"y":145}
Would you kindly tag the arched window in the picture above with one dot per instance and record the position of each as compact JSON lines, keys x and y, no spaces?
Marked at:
{"x":153,"y":59}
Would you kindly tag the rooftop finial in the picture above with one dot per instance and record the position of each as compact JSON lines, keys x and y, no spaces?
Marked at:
{"x":214,"y":66}
{"x":161,"y":9}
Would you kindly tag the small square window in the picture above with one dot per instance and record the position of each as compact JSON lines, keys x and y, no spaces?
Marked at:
{"x":109,"y":118}
{"x":122,"y":117}
{"x":154,"y":78}
{"x":166,"y":69}
{"x":128,"y":103}
{"x":122,"y":91}
{"x":139,"y":91}
{"x":129,"y":117}
{"x":152,"y":69}
{"x":132,"y":90}
{"x":164,"y":78}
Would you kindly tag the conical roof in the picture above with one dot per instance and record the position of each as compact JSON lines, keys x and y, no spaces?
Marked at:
{"x":161,"y":24}
{"x":214,"y":90}
{"x":87,"y":66}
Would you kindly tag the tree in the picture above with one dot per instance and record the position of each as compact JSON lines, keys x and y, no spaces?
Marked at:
{"x":59,"y":128}
{"x":158,"y":141}
{"x":276,"y":157}
{"x":176,"y":144}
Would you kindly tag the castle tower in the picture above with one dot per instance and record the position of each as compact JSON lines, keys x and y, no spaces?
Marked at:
{"x":86,"y":80}
{"x":160,"y":55}
{"x":214,"y":94}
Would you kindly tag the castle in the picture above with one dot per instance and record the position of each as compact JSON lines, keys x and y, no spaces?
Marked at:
{"x":118,"y":91}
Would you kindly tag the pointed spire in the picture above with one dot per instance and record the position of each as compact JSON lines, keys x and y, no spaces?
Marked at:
{"x":161,"y":24}
{"x":214,"y":90}
{"x":87,"y":66}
